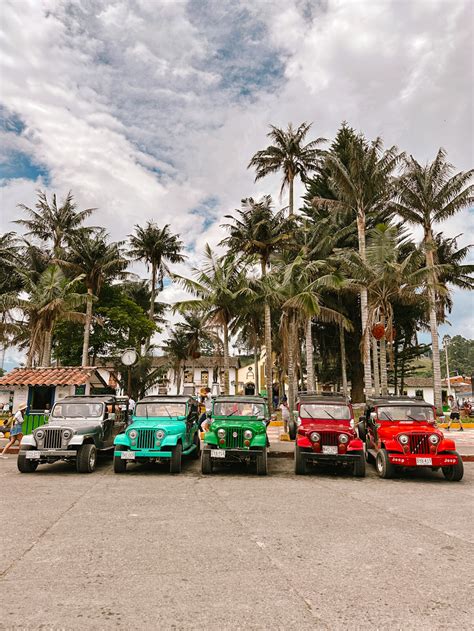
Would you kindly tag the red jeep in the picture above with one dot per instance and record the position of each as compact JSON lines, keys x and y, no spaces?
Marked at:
{"x":325,"y":433}
{"x":402,"y":432}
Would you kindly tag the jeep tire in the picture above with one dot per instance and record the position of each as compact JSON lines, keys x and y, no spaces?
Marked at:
{"x":361,"y":431}
{"x":292,"y":429}
{"x":455,"y":472}
{"x":25,"y":465}
{"x":196,"y":453}
{"x":300,"y":462}
{"x":120,"y":466}
{"x":383,"y":466}
{"x":262,"y":462}
{"x":175,"y":461}
{"x":206,"y":462}
{"x":359,"y":464}
{"x":86,"y":458}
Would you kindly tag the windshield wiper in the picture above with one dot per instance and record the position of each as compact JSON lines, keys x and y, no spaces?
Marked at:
{"x":387,"y":417}
{"x":167,"y":412}
{"x":329,"y":414}
{"x":417,"y":420}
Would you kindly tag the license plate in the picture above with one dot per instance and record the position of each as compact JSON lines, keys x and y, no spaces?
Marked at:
{"x":33,"y":455}
{"x":424,"y":461}
{"x":127,"y":455}
{"x":217,"y":453}
{"x":329,"y":449}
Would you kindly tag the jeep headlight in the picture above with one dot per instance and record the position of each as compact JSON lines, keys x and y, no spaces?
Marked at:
{"x":315,"y":437}
{"x":434,"y":439}
{"x":221,"y":433}
{"x":403,"y":439}
{"x":159,"y":434}
{"x":39,"y":434}
{"x":248,"y":434}
{"x":67,"y":434}
{"x":133,"y":434}
{"x":343,"y":438}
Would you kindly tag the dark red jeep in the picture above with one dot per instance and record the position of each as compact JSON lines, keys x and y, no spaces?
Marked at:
{"x":325,"y":433}
{"x":402,"y":432}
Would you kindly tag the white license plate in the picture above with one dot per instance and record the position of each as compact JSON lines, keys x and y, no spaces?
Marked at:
{"x":127,"y":455}
{"x":33,"y":455}
{"x":424,"y":461}
{"x":329,"y":449}
{"x":217,"y":453}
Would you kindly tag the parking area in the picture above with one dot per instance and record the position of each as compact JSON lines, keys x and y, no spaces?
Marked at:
{"x":233,"y":550}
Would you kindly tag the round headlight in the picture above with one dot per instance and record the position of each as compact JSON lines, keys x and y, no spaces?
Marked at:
{"x":403,"y":439}
{"x":67,"y":434}
{"x":315,"y":437}
{"x":133,"y":434}
{"x":159,"y":434}
{"x":39,"y":434}
{"x":221,"y":433}
{"x":343,"y":438}
{"x":248,"y":434}
{"x":434,"y":439}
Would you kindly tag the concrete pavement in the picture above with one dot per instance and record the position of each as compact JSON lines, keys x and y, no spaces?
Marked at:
{"x":234,"y":551}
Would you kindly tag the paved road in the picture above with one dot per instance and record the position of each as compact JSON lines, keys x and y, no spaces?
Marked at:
{"x":153,"y":551}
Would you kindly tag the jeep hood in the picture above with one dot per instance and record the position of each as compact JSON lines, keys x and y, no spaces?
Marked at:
{"x":324,"y":426}
{"x":78,"y":426}
{"x":171,"y":426}
{"x":237,"y":423}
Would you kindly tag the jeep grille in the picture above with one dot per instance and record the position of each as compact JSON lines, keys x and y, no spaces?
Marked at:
{"x":146,"y":439}
{"x":234,"y":441}
{"x":329,"y":438}
{"x":419,"y":444}
{"x":52,"y":438}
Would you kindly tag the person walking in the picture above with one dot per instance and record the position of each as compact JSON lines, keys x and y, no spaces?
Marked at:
{"x":285,"y":413}
{"x":204,"y":421}
{"x":454,"y":413}
{"x":17,"y":430}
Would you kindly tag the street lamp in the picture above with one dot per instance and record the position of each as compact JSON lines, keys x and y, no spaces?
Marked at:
{"x":446,"y":340}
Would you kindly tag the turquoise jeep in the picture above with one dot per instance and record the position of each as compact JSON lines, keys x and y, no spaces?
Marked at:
{"x":162,"y":428}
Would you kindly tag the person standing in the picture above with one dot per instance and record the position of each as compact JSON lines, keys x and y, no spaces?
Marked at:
{"x":454,"y":413}
{"x":17,"y":429}
{"x":204,"y":421}
{"x":285,"y":413}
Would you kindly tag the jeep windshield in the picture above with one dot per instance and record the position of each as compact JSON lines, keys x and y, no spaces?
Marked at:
{"x":239,"y":408}
{"x":78,"y":410}
{"x":159,"y":408}
{"x":324,"y":411}
{"x":406,"y":413}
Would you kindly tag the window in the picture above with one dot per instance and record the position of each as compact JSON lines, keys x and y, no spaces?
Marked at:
{"x":419,"y":393}
{"x":41,"y":398}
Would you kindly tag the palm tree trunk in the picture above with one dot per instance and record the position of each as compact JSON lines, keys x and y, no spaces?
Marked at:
{"x":268,"y":343}
{"x":309,"y":355}
{"x":383,"y":365}
{"x":364,"y":310}
{"x":46,"y":359}
{"x":226,"y":358}
{"x":375,"y":362}
{"x":433,"y":323}
{"x":291,"y":364}
{"x":255,"y":368}
{"x":87,"y":328}
{"x":152,"y":291}
{"x":291,"y":196}
{"x":342,"y":344}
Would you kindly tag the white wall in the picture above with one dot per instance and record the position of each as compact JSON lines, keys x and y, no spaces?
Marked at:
{"x":196,"y":381}
{"x":428,"y":393}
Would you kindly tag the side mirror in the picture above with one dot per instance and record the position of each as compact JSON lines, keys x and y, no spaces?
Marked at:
{"x":361,"y":419}
{"x":208,"y":414}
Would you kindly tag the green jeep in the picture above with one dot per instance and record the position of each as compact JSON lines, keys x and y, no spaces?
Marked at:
{"x":162,"y":427}
{"x":237,"y":432}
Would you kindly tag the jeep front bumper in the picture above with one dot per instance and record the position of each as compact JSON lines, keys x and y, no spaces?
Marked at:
{"x":317,"y":456}
{"x":231,"y":452}
{"x":423,"y":460}
{"x":138,"y":454}
{"x":40,"y":454}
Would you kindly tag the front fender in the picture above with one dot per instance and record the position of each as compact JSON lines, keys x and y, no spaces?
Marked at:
{"x":355,"y":445}
{"x":77,"y":439}
{"x":259,"y":440}
{"x":28,"y":441}
{"x":210,"y":438}
{"x":122,"y":439}
{"x":392,"y":445}
{"x":447,"y":444}
{"x":171,"y":440}
{"x":302,"y":441}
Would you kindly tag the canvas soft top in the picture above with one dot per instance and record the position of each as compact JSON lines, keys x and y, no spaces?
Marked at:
{"x":323,"y":397}
{"x":397,"y":400}
{"x":163,"y":398}
{"x":251,"y":398}
{"x":92,"y":398}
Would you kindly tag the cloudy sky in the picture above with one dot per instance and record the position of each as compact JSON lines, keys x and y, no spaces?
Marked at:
{"x":151,"y":109}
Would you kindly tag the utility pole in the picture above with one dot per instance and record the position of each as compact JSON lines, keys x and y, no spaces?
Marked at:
{"x":446,"y":340}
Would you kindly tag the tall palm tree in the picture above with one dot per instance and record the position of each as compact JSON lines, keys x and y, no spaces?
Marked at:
{"x":52,"y":221}
{"x":96,"y":260}
{"x":256,"y":233}
{"x":362,"y":186}
{"x":427,"y":195}
{"x":288,"y":154}
{"x":217,"y":289}
{"x":157,"y":247}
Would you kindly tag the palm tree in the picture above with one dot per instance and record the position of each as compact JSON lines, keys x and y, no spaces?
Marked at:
{"x":51,"y":221}
{"x":157,"y":247}
{"x":363,"y":186}
{"x":427,"y":195}
{"x":97,"y":261}
{"x":176,"y":349}
{"x":217,"y":289}
{"x":256,"y":233}
{"x":289,"y":155}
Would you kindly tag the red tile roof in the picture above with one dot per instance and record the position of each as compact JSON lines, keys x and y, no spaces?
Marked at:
{"x":66,"y":376}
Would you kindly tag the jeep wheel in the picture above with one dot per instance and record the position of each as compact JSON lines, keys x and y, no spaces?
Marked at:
{"x":361,"y":431}
{"x":24,"y":464}
{"x":175,"y":461}
{"x":359,"y":465}
{"x":86,"y":458}
{"x":262,"y":462}
{"x":456,"y":471}
{"x":292,"y":430}
{"x":196,"y":453}
{"x":206,"y":462}
{"x":120,"y":466}
{"x":300,"y":462}
{"x":383,"y":466}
